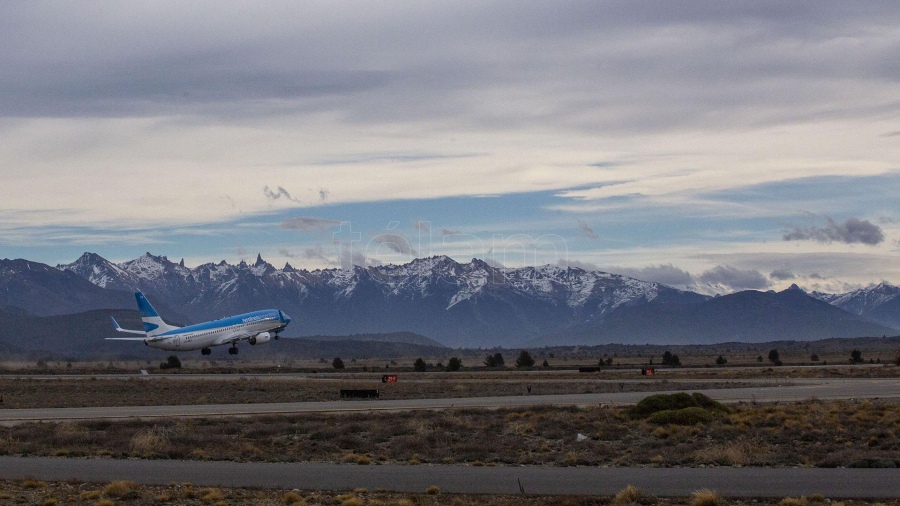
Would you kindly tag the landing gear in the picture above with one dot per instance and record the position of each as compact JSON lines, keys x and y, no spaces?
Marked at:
{"x":233,"y":350}
{"x":206,"y":351}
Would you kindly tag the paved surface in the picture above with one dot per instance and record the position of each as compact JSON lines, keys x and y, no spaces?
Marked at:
{"x":732,"y":482}
{"x":798,"y":390}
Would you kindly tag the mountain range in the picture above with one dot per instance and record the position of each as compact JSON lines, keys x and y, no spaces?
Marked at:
{"x":458,"y":304}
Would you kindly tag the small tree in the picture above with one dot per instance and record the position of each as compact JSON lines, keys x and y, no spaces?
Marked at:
{"x":454,"y":364}
{"x":419,"y":365}
{"x":721,"y":360}
{"x":545,"y":364}
{"x":524,"y":360}
{"x":670,"y":359}
{"x":495,"y":360}
{"x":814,"y":357}
{"x":856,"y":357}
{"x":171,"y":363}
{"x":774,"y":357}
{"x":337,"y":363}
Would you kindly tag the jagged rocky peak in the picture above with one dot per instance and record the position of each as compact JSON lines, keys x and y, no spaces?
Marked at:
{"x":288,"y":267}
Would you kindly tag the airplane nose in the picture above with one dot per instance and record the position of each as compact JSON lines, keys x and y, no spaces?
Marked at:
{"x":285,"y":318}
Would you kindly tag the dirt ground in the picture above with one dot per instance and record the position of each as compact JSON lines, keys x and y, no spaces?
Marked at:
{"x":34,"y":492}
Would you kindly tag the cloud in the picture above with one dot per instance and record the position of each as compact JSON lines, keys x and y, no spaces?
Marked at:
{"x":422,"y":226}
{"x":394,"y":242}
{"x":279,"y":194}
{"x":587,"y":230}
{"x":782,"y":274}
{"x":286,"y":253}
{"x":666,"y":274}
{"x":445,"y":232}
{"x":308,"y":224}
{"x":734,"y":279}
{"x":851,"y":231}
{"x":324,"y":194}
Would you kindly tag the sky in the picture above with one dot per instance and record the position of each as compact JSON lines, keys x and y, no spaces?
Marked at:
{"x":715,"y":146}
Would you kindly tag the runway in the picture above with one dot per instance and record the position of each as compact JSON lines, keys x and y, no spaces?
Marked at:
{"x":799,"y":389}
{"x":729,"y":482}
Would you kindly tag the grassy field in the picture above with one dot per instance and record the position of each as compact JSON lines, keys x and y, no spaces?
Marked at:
{"x":40,"y":393}
{"x":815,"y":434}
{"x":35,"y":492}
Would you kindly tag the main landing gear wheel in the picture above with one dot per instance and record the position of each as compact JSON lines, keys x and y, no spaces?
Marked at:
{"x":205,"y":351}
{"x":233,"y":350}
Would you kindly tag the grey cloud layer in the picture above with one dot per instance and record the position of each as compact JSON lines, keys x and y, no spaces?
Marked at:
{"x":644,"y":65}
{"x":851,"y":231}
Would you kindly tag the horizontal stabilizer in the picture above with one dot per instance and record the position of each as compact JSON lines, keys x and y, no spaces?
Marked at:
{"x":120,"y":329}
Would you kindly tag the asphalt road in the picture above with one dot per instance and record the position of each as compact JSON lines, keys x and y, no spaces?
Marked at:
{"x":731,"y":482}
{"x":798,"y":390}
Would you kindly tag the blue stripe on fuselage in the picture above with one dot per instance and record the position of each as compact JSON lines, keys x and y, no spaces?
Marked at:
{"x":256,"y":316}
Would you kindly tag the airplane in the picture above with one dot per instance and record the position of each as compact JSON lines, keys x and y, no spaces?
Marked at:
{"x":256,"y":328}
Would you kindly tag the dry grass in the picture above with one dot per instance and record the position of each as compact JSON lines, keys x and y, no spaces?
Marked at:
{"x":820,"y":434}
{"x":14,"y":492}
{"x":49,"y":393}
{"x":629,"y":495}
{"x":120,"y":489}
{"x":705,"y":497}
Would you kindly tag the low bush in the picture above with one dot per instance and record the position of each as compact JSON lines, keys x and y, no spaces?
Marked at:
{"x":684,"y":416}
{"x":673,"y":402}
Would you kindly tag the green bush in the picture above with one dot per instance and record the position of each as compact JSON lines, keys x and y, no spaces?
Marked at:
{"x":662,"y":402}
{"x":684,"y":416}
{"x":706,"y":403}
{"x":674,"y":402}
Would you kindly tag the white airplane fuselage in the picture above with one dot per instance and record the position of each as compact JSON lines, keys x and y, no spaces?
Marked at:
{"x":256,"y":328}
{"x":253,"y":327}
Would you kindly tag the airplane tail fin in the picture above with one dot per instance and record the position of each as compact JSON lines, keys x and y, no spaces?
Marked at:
{"x":153,"y":323}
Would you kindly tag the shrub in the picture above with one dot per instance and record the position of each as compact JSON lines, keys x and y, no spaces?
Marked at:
{"x":661,"y":402}
{"x":171,"y":363}
{"x":211,"y":495}
{"x":684,"y":416}
{"x":628,"y":495}
{"x":433,"y":490}
{"x":706,"y":403}
{"x":856,"y":357}
{"x":675,"y":405}
{"x":292,"y":498}
{"x":419,"y":365}
{"x":705,"y":497}
{"x":153,"y":441}
{"x":337,"y":363}
{"x":121,"y":489}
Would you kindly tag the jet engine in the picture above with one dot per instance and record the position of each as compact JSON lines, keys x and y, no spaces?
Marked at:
{"x":262,"y":337}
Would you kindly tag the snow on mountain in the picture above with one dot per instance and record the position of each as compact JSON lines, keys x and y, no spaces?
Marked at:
{"x":435,"y":296}
{"x":879,"y":303}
